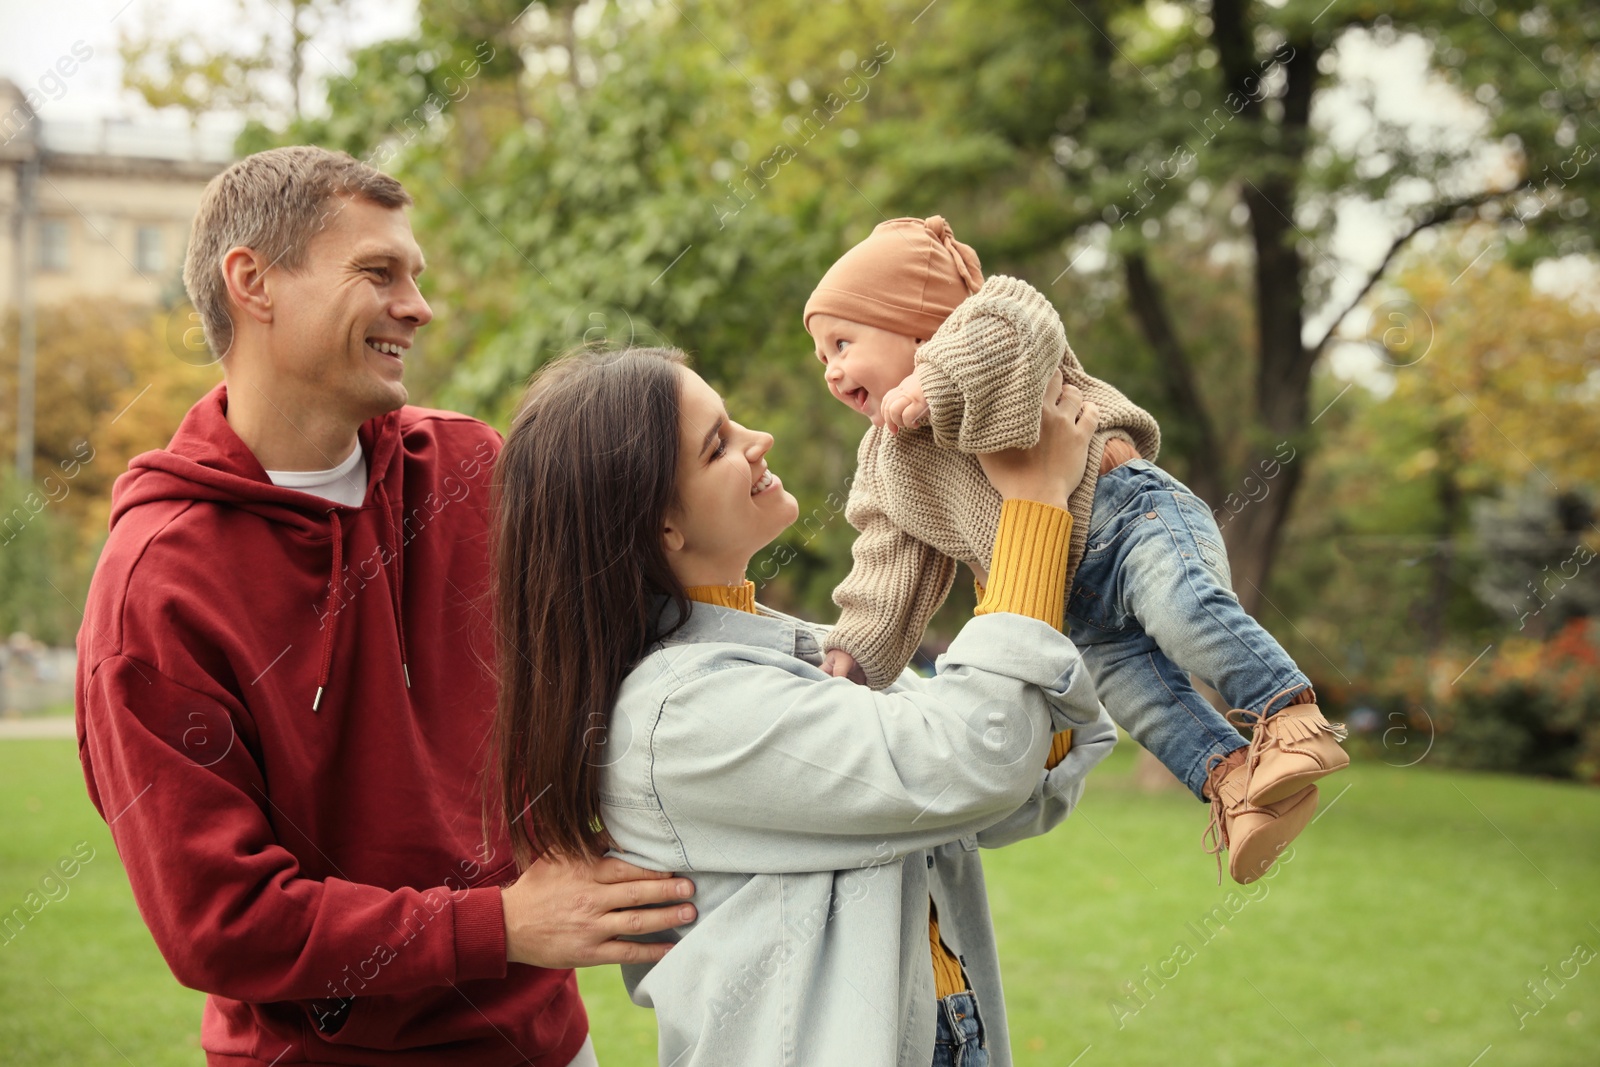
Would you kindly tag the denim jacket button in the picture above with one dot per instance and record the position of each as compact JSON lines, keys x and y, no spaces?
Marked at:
{"x":1149,"y":514}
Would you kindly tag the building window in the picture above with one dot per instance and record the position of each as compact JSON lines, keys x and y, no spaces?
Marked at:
{"x":147,"y":250}
{"x":53,"y":244}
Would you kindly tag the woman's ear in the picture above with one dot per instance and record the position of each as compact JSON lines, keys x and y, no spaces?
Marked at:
{"x":671,"y":536}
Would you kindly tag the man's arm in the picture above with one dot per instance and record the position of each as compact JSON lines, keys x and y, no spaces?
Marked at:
{"x":230,"y":909}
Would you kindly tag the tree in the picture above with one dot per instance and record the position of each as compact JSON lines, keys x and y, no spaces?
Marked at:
{"x":120,"y":381}
{"x":1440,"y":502}
{"x":686,"y":171}
{"x":581,"y":200}
{"x":170,"y":69}
{"x":1110,"y":126}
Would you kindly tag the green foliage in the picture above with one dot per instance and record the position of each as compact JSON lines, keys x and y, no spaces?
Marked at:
{"x":1537,"y":568}
{"x":683,"y":173}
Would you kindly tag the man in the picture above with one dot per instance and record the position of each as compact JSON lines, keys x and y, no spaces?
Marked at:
{"x":284,"y":680}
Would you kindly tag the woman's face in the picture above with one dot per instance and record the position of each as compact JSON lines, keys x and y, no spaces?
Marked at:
{"x":730,"y":505}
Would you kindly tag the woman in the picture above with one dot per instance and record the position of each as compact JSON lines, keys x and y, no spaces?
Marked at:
{"x":649,"y":707}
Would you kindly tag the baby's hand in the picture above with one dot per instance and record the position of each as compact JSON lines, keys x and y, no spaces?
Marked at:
{"x":905,"y":406}
{"x":842,"y":664}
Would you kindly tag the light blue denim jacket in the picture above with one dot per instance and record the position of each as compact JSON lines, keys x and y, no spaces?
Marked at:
{"x":816,"y":817}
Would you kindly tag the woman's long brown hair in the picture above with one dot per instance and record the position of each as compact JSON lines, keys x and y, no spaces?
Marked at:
{"x":583,"y":485}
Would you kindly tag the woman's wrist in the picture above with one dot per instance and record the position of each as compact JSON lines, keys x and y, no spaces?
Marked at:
{"x":1028,"y":569}
{"x":1044,"y":496}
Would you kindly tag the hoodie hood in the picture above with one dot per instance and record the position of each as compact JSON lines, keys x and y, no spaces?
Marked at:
{"x":207,"y":461}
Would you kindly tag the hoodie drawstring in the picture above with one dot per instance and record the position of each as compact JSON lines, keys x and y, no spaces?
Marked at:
{"x":397,"y":583}
{"x":392,"y":574}
{"x":335,"y":585}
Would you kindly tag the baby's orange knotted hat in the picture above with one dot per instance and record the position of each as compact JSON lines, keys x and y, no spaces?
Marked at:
{"x":906,"y":277}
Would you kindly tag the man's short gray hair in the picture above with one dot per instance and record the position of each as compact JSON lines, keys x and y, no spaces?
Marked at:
{"x":273,"y":202}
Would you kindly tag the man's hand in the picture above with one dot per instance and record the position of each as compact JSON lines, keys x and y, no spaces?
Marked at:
{"x":842,"y":664}
{"x":905,"y":406}
{"x":562,"y":913}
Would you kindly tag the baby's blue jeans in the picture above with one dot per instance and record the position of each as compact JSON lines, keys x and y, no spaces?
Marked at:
{"x":1153,"y":602}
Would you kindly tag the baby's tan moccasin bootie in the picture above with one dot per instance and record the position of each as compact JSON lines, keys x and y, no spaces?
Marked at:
{"x":1252,"y":834}
{"x":1291,"y":750}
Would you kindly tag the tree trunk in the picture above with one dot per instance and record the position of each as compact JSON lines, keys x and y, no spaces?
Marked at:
{"x":297,"y":60}
{"x":1283,"y":367}
{"x":1253,"y":535}
{"x":1150,"y":775}
{"x":1203,"y":472}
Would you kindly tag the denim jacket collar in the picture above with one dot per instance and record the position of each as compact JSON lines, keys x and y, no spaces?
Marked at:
{"x":769,"y":629}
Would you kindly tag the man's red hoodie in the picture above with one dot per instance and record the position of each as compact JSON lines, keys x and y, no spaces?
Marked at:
{"x":284,"y":709}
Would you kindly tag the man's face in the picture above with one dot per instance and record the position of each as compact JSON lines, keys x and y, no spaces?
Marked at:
{"x":344,"y":321}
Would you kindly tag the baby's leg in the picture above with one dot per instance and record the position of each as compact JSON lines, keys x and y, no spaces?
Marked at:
{"x":1176,"y":582}
{"x":1150,"y":697}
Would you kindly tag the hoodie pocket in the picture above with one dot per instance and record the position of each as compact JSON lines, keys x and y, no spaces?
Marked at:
{"x":392,"y":1023}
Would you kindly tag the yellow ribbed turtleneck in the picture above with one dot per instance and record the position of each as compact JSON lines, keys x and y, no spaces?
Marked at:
{"x":741,"y":597}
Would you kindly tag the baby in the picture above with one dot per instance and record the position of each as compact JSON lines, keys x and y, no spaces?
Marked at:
{"x":910,"y":333}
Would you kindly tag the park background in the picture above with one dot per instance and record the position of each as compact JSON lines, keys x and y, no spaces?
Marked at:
{"x":1344,"y":251}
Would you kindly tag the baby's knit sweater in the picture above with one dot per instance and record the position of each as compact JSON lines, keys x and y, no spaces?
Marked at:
{"x":920,"y":500}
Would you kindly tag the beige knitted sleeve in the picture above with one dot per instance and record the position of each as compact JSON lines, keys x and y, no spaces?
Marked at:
{"x":895,"y":585}
{"x":985,"y":369}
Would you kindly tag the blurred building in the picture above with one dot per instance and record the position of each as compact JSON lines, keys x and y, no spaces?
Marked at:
{"x":96,"y":209}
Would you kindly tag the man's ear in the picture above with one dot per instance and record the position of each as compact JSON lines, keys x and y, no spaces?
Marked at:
{"x":244,"y":272}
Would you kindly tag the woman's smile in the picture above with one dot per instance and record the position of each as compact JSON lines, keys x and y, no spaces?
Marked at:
{"x":711,"y":538}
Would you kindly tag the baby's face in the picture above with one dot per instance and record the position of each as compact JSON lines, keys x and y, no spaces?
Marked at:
{"x":862,"y":363}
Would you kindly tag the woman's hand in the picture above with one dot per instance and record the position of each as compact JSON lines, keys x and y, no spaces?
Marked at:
{"x":564,"y":913}
{"x":1050,"y":470}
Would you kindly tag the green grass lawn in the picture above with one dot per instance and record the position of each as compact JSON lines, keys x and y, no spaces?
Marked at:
{"x":1402,"y":929}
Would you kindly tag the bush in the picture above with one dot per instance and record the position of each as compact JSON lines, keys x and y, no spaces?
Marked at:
{"x":1526,"y":707}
